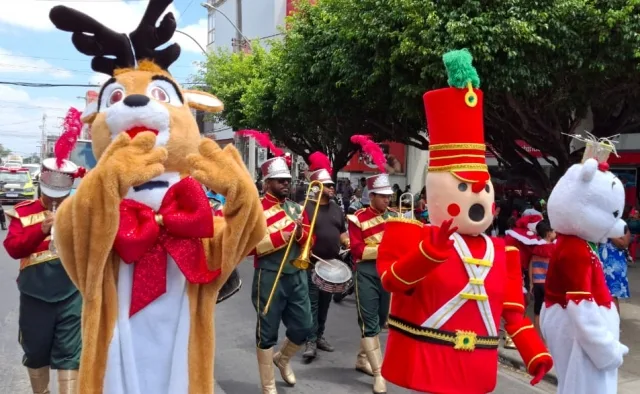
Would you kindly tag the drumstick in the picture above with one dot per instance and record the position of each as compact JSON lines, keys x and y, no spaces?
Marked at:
{"x":324,"y":261}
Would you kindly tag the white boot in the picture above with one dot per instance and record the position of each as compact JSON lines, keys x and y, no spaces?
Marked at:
{"x":265,"y":366}
{"x":39,"y":380}
{"x":282,"y":360}
{"x":374,"y":354}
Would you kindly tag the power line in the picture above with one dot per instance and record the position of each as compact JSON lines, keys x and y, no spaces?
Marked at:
{"x":65,"y":59}
{"x":64,"y":85}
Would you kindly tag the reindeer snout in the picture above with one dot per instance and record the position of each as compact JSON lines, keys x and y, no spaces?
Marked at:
{"x":136,"y":100}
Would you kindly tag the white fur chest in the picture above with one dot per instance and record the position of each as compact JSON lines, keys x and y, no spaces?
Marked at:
{"x":149,"y":350}
{"x":153,"y":197}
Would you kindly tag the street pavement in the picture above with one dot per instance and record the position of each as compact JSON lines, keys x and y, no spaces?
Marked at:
{"x":236,"y":366}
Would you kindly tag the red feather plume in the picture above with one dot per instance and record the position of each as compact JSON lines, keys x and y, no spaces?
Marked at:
{"x":262,"y":139}
{"x":72,"y":128}
{"x":318,"y":161}
{"x":372,"y":149}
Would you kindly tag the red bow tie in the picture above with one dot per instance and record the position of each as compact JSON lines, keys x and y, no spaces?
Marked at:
{"x":146,"y":237}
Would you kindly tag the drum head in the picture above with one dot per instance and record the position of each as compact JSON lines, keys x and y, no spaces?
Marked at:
{"x":333,"y":271}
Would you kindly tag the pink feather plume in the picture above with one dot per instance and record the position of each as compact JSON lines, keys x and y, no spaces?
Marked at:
{"x":372,"y":149}
{"x":318,"y":161}
{"x":72,"y":128}
{"x":262,"y":139}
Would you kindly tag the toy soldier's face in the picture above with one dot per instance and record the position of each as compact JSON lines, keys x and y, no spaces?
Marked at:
{"x":471,"y":206}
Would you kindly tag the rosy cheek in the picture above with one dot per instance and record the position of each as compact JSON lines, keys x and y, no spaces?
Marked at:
{"x":493,"y":208}
{"x":453,"y":210}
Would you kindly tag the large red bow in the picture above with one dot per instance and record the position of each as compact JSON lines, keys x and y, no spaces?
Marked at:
{"x":145,"y":237}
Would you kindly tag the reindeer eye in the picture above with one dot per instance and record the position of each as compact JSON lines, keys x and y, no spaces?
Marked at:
{"x":159,"y":94}
{"x":116,"y":96}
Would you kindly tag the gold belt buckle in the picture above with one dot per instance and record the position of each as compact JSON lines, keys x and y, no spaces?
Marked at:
{"x":465,"y":340}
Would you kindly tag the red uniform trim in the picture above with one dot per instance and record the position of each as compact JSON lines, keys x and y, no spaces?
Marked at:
{"x":529,"y":344}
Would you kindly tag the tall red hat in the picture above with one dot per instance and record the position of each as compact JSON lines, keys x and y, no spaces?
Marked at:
{"x":455,"y":122}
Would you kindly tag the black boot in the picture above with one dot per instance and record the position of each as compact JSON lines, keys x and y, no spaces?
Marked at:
{"x":310,"y":351}
{"x":322,"y":344}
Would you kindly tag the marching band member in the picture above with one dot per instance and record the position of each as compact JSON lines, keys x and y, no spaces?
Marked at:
{"x":50,"y":305}
{"x":450,"y":282}
{"x":330,"y":231}
{"x":290,"y":304}
{"x":366,"y":228}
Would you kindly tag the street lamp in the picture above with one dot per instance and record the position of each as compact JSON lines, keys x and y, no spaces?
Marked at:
{"x":194,"y":40}
{"x":213,"y":8}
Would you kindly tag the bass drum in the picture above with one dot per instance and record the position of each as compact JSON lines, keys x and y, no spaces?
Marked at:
{"x":231,"y":286}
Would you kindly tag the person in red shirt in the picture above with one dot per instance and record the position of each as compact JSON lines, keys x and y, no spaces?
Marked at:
{"x":538,"y":267}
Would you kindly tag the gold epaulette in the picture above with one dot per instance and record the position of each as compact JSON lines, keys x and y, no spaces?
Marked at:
{"x":13,"y":213}
{"x":359,"y":211}
{"x":24,"y":203}
{"x":405,"y":220}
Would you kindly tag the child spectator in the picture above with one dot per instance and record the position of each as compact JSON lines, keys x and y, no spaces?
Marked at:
{"x":538,"y":267}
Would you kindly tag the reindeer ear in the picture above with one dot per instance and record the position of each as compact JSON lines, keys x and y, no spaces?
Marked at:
{"x":90,"y":112}
{"x":203,"y":101}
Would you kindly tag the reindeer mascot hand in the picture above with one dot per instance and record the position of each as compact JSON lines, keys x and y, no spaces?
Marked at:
{"x":138,"y":238}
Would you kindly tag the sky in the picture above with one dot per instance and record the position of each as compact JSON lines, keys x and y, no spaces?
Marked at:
{"x":33,"y":50}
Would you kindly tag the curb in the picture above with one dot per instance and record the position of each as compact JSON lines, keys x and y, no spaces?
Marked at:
{"x":512,"y":359}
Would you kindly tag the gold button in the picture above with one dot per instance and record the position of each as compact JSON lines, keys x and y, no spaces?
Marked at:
{"x":159,"y":220}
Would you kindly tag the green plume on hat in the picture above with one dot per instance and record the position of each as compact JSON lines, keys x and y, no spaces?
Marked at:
{"x":460,"y":69}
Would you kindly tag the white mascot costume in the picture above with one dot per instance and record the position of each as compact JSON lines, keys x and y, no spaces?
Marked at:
{"x":579,"y":319}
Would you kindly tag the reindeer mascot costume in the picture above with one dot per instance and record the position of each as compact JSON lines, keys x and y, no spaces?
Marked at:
{"x":138,"y":238}
{"x":450,"y":283}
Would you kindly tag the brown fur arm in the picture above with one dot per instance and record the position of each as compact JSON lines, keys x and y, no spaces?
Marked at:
{"x":85,"y":227}
{"x":239,"y":231}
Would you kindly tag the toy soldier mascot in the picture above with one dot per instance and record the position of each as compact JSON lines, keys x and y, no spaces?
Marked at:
{"x":50,"y":305}
{"x":366,"y":227}
{"x":450,"y":282}
{"x":280,"y":291}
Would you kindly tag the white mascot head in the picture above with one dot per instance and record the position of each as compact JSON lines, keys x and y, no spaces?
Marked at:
{"x":588,"y":200}
{"x":458,"y":182}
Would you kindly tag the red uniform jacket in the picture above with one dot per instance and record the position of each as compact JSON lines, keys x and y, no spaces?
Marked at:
{"x":279,"y":216}
{"x":423,"y":279}
{"x":26,"y":241}
{"x":366,"y":228}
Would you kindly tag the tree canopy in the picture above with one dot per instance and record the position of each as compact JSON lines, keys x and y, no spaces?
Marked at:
{"x":361,"y":67}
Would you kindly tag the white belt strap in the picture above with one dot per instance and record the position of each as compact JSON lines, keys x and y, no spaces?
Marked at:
{"x":477,"y":271}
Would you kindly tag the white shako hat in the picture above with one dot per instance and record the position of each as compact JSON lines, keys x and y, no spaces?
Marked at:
{"x":275,"y":168}
{"x":56,"y":182}
{"x":379,"y":184}
{"x":321,"y":175}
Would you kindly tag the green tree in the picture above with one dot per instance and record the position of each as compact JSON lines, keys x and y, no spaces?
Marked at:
{"x":348,"y":66}
{"x":4,"y":151}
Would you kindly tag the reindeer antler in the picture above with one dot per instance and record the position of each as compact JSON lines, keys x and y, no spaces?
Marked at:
{"x":147,"y":37}
{"x":92,"y":38}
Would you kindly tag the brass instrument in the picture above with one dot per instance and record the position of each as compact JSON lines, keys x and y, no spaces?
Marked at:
{"x":412,"y":199}
{"x":52,"y":245}
{"x":302,"y":261}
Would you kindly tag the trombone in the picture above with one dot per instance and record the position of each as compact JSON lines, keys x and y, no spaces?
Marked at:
{"x":302,"y":261}
{"x":411,"y":200}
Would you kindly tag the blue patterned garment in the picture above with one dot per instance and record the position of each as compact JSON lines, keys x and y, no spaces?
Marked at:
{"x":614,"y":262}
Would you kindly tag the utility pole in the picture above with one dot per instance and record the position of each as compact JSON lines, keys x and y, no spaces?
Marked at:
{"x":43,"y":145}
{"x":239,"y":47}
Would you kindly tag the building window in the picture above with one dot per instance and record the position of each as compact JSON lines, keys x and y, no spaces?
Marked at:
{"x":212,"y":28}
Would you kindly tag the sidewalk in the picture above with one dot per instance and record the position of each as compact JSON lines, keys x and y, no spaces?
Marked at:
{"x":629,"y":378}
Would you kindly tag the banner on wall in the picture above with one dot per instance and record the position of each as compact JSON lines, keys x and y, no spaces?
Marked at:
{"x":395,"y":153}
{"x":628,"y":177}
